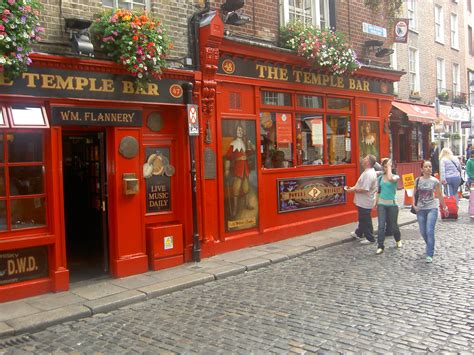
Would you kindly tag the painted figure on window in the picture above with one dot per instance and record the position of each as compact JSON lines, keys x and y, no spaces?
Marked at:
{"x":237,"y":172}
{"x":368,"y":142}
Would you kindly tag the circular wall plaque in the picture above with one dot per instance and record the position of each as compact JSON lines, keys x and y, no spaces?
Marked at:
{"x":128,"y":147}
{"x":155,"y":122}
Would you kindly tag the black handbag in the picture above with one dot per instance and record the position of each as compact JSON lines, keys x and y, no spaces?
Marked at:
{"x":412,"y":209}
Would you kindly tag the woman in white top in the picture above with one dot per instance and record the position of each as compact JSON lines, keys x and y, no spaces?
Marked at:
{"x":450,"y":172}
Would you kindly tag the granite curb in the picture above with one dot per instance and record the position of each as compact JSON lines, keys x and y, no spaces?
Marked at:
{"x":213,"y":269}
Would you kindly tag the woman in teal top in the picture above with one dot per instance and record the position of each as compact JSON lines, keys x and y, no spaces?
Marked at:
{"x":387,"y":207}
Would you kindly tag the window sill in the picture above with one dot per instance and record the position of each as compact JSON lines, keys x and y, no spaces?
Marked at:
{"x":274,"y":171}
{"x":413,"y":30}
{"x":439,"y":41}
{"x":415,"y":97}
{"x":455,"y":48}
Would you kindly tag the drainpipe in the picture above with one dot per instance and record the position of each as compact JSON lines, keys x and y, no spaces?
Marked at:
{"x":193,"y":34}
{"x":188,"y":98}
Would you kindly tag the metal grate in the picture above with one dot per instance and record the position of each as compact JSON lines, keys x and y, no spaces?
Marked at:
{"x":15,"y":341}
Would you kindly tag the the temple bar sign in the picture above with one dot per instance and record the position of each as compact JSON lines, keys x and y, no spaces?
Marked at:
{"x":286,"y":73}
{"x":58,"y":83}
{"x":95,"y":116}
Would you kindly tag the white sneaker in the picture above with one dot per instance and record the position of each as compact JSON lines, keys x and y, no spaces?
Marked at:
{"x":399,"y":244}
{"x":366,"y":241}
{"x":379,"y":251}
{"x":355,"y":236}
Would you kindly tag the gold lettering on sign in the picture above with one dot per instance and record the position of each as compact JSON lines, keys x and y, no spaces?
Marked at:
{"x":271,"y":72}
{"x":159,"y":196}
{"x":30,"y":79}
{"x":4,"y":81}
{"x":128,"y":87}
{"x":69,"y":116}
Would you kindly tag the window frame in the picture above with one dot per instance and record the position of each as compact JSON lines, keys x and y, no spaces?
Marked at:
{"x":469,"y":41}
{"x":315,"y":12}
{"x":8,"y":197}
{"x":440,"y":75}
{"x":439,"y":15}
{"x":116,"y":6}
{"x":456,"y":79}
{"x":413,"y":61}
{"x":45,"y":124}
{"x":294,"y":110}
{"x":454,"y":31}
{"x":411,"y":10}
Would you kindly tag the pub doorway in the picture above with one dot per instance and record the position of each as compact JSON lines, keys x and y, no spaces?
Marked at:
{"x":85,"y":204}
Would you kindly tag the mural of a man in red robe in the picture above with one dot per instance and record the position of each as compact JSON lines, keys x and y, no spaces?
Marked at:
{"x":237,"y":171}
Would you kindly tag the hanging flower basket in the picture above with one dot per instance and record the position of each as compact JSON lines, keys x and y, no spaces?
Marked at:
{"x":19,"y":31}
{"x":327,"y":50}
{"x":136,"y":40}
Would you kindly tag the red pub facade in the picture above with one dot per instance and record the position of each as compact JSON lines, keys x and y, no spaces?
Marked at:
{"x":98,"y":178}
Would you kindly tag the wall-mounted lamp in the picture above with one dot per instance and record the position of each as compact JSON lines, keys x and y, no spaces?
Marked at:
{"x":376,"y":46}
{"x":79,"y":35}
{"x":231,"y":16}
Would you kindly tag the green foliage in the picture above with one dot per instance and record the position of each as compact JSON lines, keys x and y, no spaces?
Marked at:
{"x":19,"y":30}
{"x":391,"y":8}
{"x":326,"y":49}
{"x":136,"y":40}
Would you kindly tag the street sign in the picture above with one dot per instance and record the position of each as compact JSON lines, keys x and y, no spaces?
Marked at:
{"x":193,"y":121}
{"x":466,"y":124}
{"x":408,"y":181}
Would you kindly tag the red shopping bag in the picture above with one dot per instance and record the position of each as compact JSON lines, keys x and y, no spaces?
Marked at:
{"x":452,"y":205}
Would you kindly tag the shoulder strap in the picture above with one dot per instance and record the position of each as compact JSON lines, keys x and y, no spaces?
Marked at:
{"x":458,"y":168}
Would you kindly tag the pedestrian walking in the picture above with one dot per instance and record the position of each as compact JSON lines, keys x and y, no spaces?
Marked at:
{"x":427,"y":206}
{"x":365,"y":190}
{"x":387,"y":206}
{"x":468,"y":151}
{"x":470,"y":169}
{"x":450,"y":172}
{"x":434,"y":157}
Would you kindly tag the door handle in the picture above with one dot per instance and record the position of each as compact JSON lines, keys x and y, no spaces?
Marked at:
{"x":103,"y":206}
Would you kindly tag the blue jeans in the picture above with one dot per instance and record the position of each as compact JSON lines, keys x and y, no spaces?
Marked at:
{"x":427,"y":221}
{"x":453,"y":186}
{"x":388,"y":222}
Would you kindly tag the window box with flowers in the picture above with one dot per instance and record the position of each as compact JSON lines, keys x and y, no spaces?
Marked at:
{"x":443,"y":96}
{"x":134,"y":39}
{"x":459,"y":99}
{"x":19,"y":31}
{"x":456,"y":136}
{"x":326,"y":49}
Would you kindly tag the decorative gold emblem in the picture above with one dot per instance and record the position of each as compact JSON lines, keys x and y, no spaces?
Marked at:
{"x":228,"y":66}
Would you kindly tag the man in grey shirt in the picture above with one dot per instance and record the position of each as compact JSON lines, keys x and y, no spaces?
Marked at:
{"x":365,"y":191}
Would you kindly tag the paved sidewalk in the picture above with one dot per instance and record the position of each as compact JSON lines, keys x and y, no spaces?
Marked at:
{"x":92,"y":297}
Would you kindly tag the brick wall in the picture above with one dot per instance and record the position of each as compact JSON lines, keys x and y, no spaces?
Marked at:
{"x":350,"y":14}
{"x":423,"y":39}
{"x":173,"y":13}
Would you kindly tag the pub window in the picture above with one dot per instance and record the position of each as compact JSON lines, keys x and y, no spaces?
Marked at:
{"x":335,"y":103}
{"x":338,"y":136}
{"x":28,"y":116}
{"x":127,"y":4}
{"x":22,"y":185}
{"x":3,"y":119}
{"x":310,"y":138}
{"x":319,"y":13}
{"x":309,"y":101}
{"x":273,"y":98}
{"x":276,"y":137}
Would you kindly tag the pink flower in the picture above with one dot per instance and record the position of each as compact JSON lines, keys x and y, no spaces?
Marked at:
{"x":11,"y":2}
{"x":2,"y":28}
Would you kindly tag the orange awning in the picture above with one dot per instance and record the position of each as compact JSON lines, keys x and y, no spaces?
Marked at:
{"x":420,"y":113}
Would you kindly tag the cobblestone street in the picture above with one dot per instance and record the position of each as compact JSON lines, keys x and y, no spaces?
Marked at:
{"x":343,"y":298}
